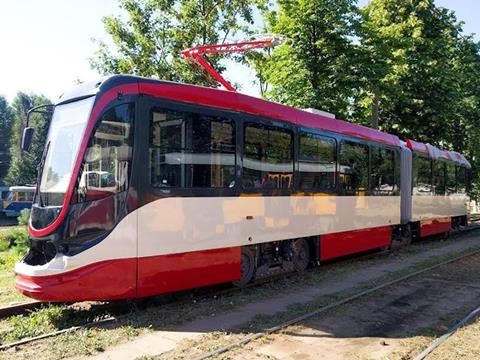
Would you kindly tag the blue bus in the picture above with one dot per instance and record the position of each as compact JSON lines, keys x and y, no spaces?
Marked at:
{"x":17,"y":199}
{"x":4,"y":194}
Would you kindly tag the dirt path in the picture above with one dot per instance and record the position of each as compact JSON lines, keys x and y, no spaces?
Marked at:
{"x":392,"y":324}
{"x":160,"y":342}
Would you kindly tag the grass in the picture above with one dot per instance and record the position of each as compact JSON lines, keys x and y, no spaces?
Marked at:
{"x":48,"y":319}
{"x":84,"y":342}
{"x":37,"y":323}
{"x":13,"y":245}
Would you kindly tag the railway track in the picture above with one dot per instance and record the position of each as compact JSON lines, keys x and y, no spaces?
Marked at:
{"x":202,"y":294}
{"x":20,"y":308}
{"x":189,"y":295}
{"x":255,"y":336}
{"x":24,"y":308}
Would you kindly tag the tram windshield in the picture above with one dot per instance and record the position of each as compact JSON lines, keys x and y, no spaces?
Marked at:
{"x":65,"y":135}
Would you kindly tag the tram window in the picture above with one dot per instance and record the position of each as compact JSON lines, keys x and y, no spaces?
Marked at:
{"x":439,"y":177}
{"x":167,"y":134}
{"x":212,"y":153}
{"x":191,"y":150}
{"x":316,"y":162}
{"x":382,"y":173}
{"x":353,"y":167}
{"x":267,"y":157}
{"x":422,"y":175}
{"x":461,"y":179}
{"x":107,"y":160}
{"x":451,"y":180}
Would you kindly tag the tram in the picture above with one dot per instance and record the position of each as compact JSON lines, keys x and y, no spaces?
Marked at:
{"x":203,"y":186}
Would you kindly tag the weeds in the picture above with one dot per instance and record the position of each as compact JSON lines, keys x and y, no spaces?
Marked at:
{"x":13,"y":245}
{"x":37,"y":323}
{"x":48,"y":319}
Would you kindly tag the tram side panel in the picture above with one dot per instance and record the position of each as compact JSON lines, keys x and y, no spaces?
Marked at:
{"x":435,"y":212}
{"x":186,"y":242}
{"x":106,"y":271}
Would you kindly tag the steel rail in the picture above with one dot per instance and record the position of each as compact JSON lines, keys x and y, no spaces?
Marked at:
{"x":56,"y":333}
{"x":474,"y":314}
{"x":245,"y":340}
{"x":21,"y":308}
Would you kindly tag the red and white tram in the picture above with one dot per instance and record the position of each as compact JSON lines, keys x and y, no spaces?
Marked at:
{"x":148,"y":187}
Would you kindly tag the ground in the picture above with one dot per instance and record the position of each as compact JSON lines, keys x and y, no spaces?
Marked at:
{"x":395,"y":323}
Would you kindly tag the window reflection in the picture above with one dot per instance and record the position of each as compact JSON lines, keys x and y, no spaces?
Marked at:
{"x":439,"y":177}
{"x":267,"y":157}
{"x":353,"y":172}
{"x":108,"y":157}
{"x":317,"y":163}
{"x":382,"y":176}
{"x":191,"y":150}
{"x":422,"y":175}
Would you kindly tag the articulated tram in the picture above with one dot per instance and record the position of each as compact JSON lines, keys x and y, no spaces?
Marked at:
{"x":149,"y":187}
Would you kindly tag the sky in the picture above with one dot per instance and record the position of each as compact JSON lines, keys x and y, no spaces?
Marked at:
{"x":45,"y":45}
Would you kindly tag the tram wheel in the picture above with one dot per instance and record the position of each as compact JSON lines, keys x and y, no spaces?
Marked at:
{"x":300,"y":255}
{"x":247,"y":268}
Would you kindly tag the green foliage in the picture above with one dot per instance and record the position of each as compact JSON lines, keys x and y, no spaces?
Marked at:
{"x":8,"y":259}
{"x":13,"y":246}
{"x":24,"y":217}
{"x":414,"y":48}
{"x":18,"y":239}
{"x":15,"y":238}
{"x":150,"y":42}
{"x":23,"y":167}
{"x":425,"y":72}
{"x":317,"y":65}
{"x":5,"y":128}
{"x":4,"y":242}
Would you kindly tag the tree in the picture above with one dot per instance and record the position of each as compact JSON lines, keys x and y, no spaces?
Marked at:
{"x":23,"y":167}
{"x":151,"y":41}
{"x":5,"y":126}
{"x":316,"y":66}
{"x":424,"y":72}
{"x":465,"y":133}
{"x":413,"y":47}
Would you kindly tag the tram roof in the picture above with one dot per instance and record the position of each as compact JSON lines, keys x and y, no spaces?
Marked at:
{"x":227,"y":100}
{"x":436,"y":153}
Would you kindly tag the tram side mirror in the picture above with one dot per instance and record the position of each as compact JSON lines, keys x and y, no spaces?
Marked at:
{"x":27,"y":138}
